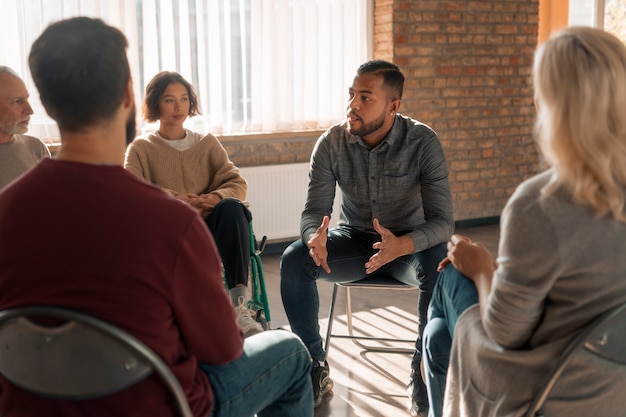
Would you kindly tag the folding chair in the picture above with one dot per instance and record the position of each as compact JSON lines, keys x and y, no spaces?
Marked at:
{"x":604,"y":337}
{"x":380,"y":282}
{"x":81,"y":358}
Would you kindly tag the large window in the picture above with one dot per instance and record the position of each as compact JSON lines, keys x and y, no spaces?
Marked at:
{"x":607,"y":14}
{"x":257,"y":65}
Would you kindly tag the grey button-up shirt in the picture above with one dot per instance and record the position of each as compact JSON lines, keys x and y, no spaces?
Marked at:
{"x":403,"y":182}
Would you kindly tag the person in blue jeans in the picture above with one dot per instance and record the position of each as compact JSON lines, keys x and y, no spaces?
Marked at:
{"x":270,"y":379}
{"x":396,"y":213}
{"x":496,"y":329}
{"x":453,"y":294}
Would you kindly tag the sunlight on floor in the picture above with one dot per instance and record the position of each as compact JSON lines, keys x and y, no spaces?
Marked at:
{"x":370,"y":384}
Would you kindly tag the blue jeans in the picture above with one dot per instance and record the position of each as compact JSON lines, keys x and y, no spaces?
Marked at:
{"x":453,"y":294}
{"x":348,"y":251}
{"x":271,"y":378}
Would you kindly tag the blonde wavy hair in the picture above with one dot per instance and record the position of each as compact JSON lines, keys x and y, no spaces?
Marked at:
{"x":579,"y":76}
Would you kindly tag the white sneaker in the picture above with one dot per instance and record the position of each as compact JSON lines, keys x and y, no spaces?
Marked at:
{"x":245,"y":319}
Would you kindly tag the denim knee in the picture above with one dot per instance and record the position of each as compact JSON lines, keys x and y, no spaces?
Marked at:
{"x":294,"y":344}
{"x":437,"y":344}
{"x":296,"y":262}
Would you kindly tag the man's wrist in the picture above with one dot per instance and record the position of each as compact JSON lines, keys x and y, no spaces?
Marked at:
{"x":407,"y":245}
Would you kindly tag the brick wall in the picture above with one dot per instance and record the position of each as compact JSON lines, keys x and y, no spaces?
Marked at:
{"x":270,"y":149}
{"x":467,"y":65}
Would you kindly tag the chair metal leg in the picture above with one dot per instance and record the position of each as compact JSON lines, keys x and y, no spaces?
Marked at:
{"x":259,"y":301}
{"x":260,"y":293}
{"x":331,"y":317}
{"x":356,"y":339}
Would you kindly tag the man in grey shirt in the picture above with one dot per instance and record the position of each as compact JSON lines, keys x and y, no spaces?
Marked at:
{"x":396,"y":213}
{"x":18,"y":152}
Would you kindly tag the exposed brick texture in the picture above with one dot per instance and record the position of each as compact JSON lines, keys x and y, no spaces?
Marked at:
{"x":271,"y":150}
{"x":468,"y":66}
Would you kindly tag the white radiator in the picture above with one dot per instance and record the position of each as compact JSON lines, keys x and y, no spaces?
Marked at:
{"x":276,"y":194}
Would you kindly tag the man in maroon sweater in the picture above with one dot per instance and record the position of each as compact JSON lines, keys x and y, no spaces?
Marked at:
{"x":79,"y":231}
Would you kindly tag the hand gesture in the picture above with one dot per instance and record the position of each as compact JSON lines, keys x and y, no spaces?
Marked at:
{"x":389,"y":248}
{"x":317,"y":245}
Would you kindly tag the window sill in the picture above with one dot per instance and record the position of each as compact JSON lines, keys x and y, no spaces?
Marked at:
{"x":270,"y":137}
{"x":253,"y":137}
{"x":248,"y":139}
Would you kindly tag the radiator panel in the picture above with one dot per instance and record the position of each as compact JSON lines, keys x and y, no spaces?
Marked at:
{"x":276,"y":194}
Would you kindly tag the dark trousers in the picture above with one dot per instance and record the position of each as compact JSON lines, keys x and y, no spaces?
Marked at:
{"x":229,"y":224}
{"x":348,"y":250}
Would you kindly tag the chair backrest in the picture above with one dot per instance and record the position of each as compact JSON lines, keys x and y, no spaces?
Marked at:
{"x":63,"y":354}
{"x":605,"y":337}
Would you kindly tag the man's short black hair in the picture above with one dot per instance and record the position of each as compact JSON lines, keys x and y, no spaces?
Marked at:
{"x":392,"y":76}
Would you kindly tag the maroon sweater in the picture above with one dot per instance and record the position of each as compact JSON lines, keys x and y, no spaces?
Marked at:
{"x":100,"y":240}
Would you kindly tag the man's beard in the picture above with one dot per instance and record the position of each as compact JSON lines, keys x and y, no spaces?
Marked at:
{"x":15,"y":129}
{"x":131,"y":125}
{"x":20,"y":130}
{"x":367,"y":128}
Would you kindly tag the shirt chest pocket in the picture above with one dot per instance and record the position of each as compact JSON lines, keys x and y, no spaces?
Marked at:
{"x":397,"y":175}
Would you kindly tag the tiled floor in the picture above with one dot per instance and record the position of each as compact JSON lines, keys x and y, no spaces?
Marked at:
{"x":367,"y":384}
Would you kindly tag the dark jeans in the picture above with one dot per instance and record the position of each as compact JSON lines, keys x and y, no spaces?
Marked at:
{"x":453,"y":294}
{"x":229,"y":224}
{"x":348,"y":251}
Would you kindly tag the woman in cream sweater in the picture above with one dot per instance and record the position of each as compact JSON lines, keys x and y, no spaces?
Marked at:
{"x":196,"y":169}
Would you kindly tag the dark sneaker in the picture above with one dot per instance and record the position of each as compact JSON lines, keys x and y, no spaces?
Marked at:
{"x":322,"y":384}
{"x":418,"y":395}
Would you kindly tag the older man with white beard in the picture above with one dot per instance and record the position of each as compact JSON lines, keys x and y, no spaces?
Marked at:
{"x":18,"y":152}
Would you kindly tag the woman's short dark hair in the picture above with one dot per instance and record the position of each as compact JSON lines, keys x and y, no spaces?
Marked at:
{"x":155,"y":89}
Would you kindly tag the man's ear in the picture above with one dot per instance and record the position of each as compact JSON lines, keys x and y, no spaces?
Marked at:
{"x":129,"y":97}
{"x":394,"y":106}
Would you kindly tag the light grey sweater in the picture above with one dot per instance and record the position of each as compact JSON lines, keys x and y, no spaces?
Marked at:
{"x":18,"y":156}
{"x":559,"y":267}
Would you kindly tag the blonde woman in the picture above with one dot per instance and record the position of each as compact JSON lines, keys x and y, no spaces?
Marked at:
{"x":495,"y":327}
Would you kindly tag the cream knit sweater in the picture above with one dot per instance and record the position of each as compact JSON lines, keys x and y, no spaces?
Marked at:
{"x":203,"y":168}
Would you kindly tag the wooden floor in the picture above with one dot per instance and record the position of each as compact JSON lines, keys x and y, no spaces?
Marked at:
{"x":367,"y":384}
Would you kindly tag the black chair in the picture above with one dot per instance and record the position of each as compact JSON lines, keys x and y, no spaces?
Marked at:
{"x":82,"y":357}
{"x":370,"y":283}
{"x":604,"y":337}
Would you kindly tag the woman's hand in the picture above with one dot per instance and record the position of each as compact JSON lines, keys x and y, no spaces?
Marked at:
{"x":471,"y":259}
{"x":204,"y":203}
